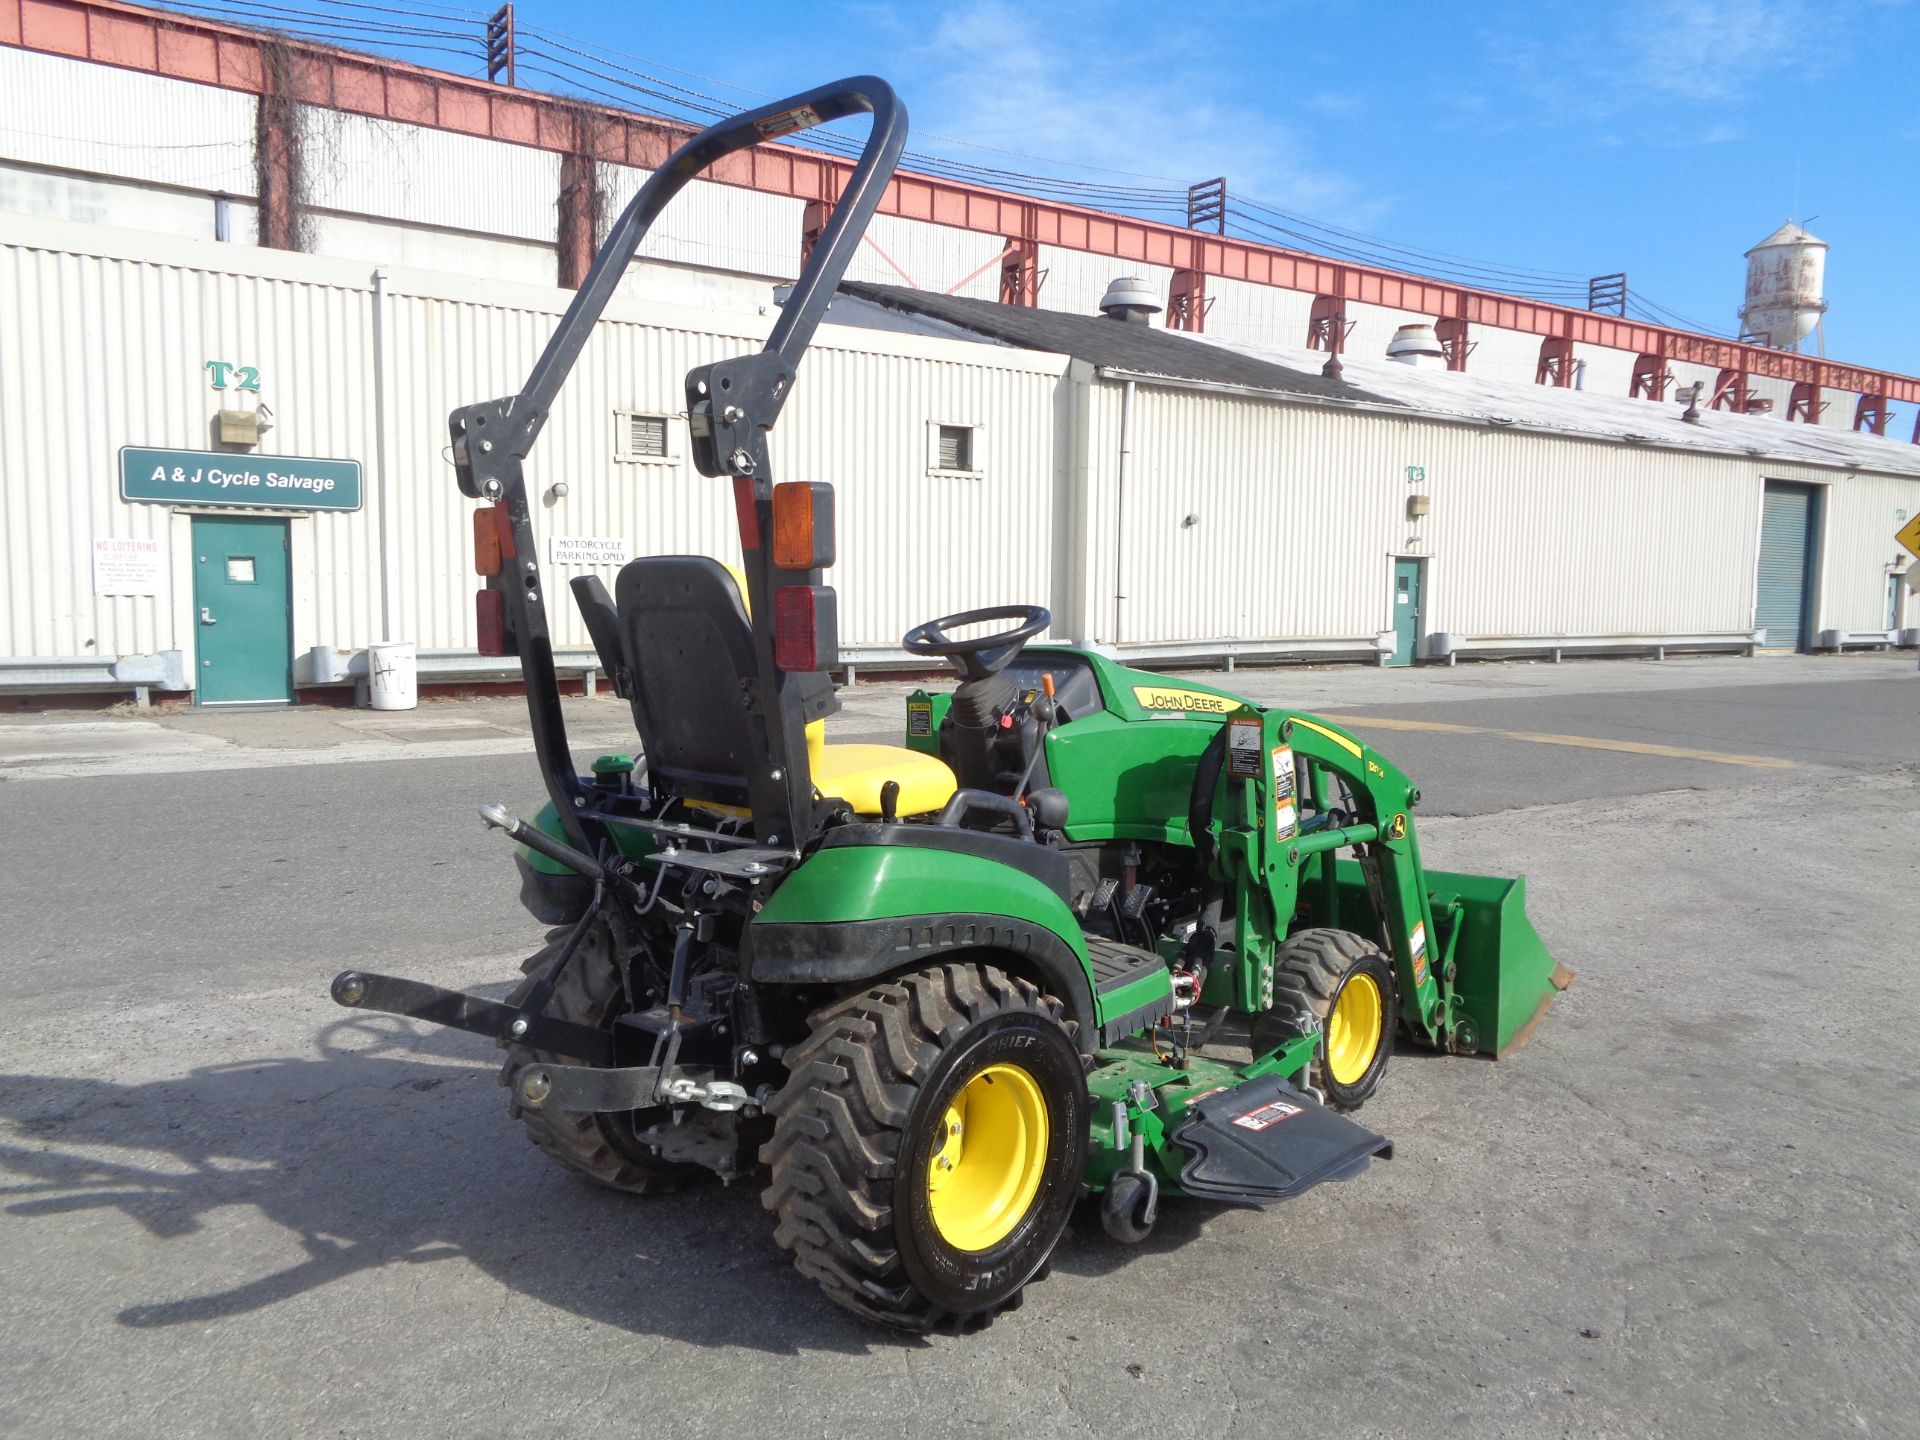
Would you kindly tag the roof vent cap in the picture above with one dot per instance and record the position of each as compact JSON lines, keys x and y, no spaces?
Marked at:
{"x":1417,"y":345}
{"x":1130,"y":299}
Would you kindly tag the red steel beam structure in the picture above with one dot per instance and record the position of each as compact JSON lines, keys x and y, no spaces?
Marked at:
{"x":187,"y":47}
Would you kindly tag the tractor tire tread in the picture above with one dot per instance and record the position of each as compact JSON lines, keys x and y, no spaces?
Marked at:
{"x":1308,"y":969}
{"x":584,"y":1145}
{"x":838,"y":1123}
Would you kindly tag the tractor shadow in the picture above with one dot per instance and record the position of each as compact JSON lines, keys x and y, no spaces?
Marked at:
{"x":390,"y":1148}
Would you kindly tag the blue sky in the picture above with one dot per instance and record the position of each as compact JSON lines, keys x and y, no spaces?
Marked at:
{"x":1662,"y":137}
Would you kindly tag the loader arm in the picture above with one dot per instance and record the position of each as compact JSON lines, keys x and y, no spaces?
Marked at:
{"x":1319,"y":824}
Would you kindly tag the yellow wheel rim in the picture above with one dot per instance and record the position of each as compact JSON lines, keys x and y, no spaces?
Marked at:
{"x":1353,"y":1030}
{"x":987,"y":1169}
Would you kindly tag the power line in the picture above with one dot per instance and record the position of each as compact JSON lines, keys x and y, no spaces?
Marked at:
{"x":597,"y":73}
{"x":1319,"y":245}
{"x":1441,"y":257}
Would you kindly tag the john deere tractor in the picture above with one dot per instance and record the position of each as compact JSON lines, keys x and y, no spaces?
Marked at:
{"x":1089,"y":932}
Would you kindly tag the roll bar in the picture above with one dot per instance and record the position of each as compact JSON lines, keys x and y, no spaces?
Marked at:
{"x":491,"y":441}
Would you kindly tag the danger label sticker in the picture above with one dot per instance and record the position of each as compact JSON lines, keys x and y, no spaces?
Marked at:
{"x":1266,"y":1116}
{"x":1243,"y":749}
{"x":919,"y":719}
{"x":1419,"y":952}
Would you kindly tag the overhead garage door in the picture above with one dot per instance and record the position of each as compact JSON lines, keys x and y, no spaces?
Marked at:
{"x":1782,"y":604}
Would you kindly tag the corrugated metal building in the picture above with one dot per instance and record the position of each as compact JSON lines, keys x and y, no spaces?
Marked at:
{"x":1281,"y":514}
{"x":1264,"y":511}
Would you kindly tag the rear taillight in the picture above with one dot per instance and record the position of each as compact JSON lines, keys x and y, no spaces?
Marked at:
{"x":490,"y":617}
{"x":806,"y":628}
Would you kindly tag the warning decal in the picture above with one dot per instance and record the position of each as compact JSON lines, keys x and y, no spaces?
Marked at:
{"x":1243,"y":749}
{"x":803,"y":117}
{"x":1266,"y":1115}
{"x":1285,"y":818}
{"x":1419,"y":952}
{"x":919,"y":718}
{"x":1282,"y":774}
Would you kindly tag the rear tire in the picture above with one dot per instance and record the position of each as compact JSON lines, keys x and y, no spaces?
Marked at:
{"x":928,"y":1147}
{"x":601,"y":1147}
{"x":1347,"y":984}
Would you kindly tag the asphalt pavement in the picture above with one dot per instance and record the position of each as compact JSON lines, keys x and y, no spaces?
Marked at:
{"x":228,"y":1208}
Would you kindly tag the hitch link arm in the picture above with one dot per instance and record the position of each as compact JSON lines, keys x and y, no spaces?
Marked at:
{"x":586,"y":1089}
{"x":417,"y":1000}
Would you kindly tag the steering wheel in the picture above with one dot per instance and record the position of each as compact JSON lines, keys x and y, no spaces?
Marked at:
{"x":986,"y":655}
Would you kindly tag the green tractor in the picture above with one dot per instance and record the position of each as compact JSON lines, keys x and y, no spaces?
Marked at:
{"x":942,"y":991}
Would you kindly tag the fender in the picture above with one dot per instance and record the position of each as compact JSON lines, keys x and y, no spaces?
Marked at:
{"x":855,"y":911}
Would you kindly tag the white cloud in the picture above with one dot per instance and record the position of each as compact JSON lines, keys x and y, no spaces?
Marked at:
{"x":1068,"y":81}
{"x":1715,"y":50}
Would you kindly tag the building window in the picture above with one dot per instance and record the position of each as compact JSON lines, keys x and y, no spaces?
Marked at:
{"x":641,"y":437}
{"x":953,"y":448}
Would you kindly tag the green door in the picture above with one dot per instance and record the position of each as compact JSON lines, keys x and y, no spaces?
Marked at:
{"x":243,"y":611}
{"x":1783,"y":592}
{"x":1406,"y":611}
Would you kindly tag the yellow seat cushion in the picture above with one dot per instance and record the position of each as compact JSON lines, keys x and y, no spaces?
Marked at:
{"x":855,"y":773}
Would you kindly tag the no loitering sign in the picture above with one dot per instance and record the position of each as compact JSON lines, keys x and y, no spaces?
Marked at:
{"x":211,"y":477}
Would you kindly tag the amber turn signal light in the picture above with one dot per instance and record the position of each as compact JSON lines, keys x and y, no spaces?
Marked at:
{"x":803,"y":526}
{"x":492,"y":539}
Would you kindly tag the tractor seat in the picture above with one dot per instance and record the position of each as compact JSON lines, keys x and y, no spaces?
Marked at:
{"x":685,"y":629}
{"x":856,"y":773}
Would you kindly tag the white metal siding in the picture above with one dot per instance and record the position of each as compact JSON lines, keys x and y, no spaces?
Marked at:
{"x":929,"y":257}
{"x":75,"y":115}
{"x":388,"y":170}
{"x":1862,"y":514}
{"x":1300,"y":509}
{"x":99,"y":351}
{"x":720,"y":227}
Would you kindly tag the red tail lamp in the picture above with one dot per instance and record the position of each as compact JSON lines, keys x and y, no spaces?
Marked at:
{"x":490,"y":616}
{"x":803,"y":526}
{"x":806,"y":628}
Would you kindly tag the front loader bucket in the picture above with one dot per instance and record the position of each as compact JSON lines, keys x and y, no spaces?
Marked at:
{"x":1504,"y":975}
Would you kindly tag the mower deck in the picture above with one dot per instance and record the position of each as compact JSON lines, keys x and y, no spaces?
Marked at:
{"x":1263,"y":1142}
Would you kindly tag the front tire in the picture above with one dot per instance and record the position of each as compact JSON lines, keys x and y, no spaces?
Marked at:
{"x":928,"y":1147}
{"x":1347,"y":984}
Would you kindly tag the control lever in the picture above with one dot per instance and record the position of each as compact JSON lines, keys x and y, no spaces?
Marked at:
{"x":1044,"y":710}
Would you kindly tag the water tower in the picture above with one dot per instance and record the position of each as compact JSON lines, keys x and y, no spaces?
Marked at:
{"x":1786,"y":285}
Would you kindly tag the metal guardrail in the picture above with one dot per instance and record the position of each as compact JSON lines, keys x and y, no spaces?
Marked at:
{"x":324,"y":665}
{"x":93,"y":674}
{"x":1442,"y":645}
{"x":1862,"y":639}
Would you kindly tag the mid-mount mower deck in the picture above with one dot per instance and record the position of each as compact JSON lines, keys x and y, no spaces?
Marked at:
{"x":939,"y":990}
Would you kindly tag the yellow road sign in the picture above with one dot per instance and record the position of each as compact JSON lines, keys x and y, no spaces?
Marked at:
{"x":1909,"y":535}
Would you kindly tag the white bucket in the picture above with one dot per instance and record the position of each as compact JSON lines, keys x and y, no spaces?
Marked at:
{"x":390,"y":675}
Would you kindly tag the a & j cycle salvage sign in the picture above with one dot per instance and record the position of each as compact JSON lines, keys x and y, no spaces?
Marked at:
{"x":206,"y":477}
